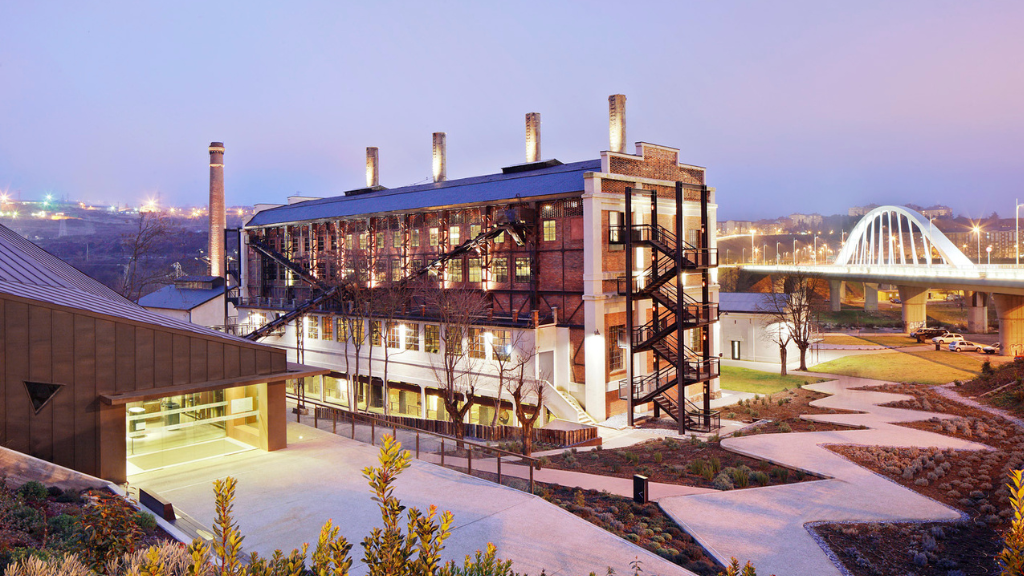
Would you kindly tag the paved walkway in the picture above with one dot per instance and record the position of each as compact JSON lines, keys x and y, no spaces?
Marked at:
{"x":284,"y":497}
{"x":767,"y":525}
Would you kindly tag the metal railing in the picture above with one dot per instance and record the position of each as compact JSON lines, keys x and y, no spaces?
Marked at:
{"x":446,"y":451}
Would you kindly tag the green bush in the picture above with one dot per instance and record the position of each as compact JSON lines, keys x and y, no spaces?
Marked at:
{"x":65,"y":528}
{"x":723,"y":482}
{"x":760,"y":478}
{"x":33,"y":492}
{"x":145,"y":521}
{"x":658,"y":457}
{"x":784,"y":427}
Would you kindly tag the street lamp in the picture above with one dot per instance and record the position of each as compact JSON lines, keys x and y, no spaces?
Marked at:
{"x":815,"y":249}
{"x":777,"y":252}
{"x":743,"y":255}
{"x":989,"y":252}
{"x":1016,"y":237}
{"x":751,"y":242}
{"x":794,"y":251}
{"x":977,"y":230}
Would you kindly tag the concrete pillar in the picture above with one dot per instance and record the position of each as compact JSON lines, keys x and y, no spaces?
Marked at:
{"x":617,"y":123}
{"x":112,"y":449}
{"x":532,"y":137}
{"x":977,"y":312}
{"x":870,"y":297}
{"x":915,"y":313}
{"x":218,"y":219}
{"x":440,"y":157}
{"x":595,"y":381}
{"x":1010,"y":309}
{"x":423,"y":402}
{"x":273,"y":416}
{"x":836,"y":291}
{"x":372,"y":167}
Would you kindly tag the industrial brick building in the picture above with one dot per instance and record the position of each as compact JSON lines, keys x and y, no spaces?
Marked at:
{"x":614,"y":293}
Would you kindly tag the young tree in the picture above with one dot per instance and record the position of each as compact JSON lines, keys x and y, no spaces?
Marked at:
{"x":512,"y":376}
{"x":388,"y":302}
{"x":141,"y":247}
{"x":457,"y":309}
{"x":790,"y":311}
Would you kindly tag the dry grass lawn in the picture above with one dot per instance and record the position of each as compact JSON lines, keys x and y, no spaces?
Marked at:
{"x":925,"y":366}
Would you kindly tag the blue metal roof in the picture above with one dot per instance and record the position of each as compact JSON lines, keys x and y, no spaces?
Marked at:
{"x":477,"y":190}
{"x":174,"y":298}
{"x":751,"y":302}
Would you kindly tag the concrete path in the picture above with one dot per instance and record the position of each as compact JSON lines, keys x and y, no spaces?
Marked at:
{"x":284,"y":497}
{"x":767,"y":525}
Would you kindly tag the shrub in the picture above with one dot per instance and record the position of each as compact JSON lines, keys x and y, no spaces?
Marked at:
{"x":657,"y":457}
{"x":782,"y":474}
{"x":65,"y":527}
{"x":755,"y":414}
{"x":670,"y":444}
{"x":1011,"y":558}
{"x":33,"y":491}
{"x":723,"y":482}
{"x":145,"y":521}
{"x":697,"y":466}
{"x":760,"y":478}
{"x":716,"y":464}
{"x":69,"y":497}
{"x":631,"y":457}
{"x":731,"y":415}
{"x":544,"y":461}
{"x":110,"y":530}
{"x":784,"y":427}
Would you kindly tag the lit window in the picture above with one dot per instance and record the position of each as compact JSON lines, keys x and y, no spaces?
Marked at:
{"x":474,"y":270}
{"x":500,"y":238}
{"x":312,"y":327}
{"x":433,"y":237}
{"x":432,"y":338}
{"x":474,"y":230}
{"x":549,"y":230}
{"x":328,"y":329}
{"x":396,"y":270}
{"x":342,"y":331}
{"x":477,"y":345}
{"x":348,"y":242}
{"x":393,"y":338}
{"x":362,"y":240}
{"x":501,"y":343}
{"x":396,"y":240}
{"x":615,"y":354}
{"x":453,"y":235}
{"x":499,"y":270}
{"x":616,"y":232}
{"x":415,"y":239}
{"x":455,"y":271}
{"x":523,"y":270}
{"x":412,"y":336}
{"x":453,"y":340}
{"x":380,"y":241}
{"x":375,"y":333}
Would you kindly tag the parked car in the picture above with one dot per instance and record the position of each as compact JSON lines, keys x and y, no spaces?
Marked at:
{"x":947,"y":338}
{"x":953,"y":297}
{"x":992,"y":348}
{"x":895,"y":300}
{"x":925,"y":334}
{"x":961,"y":345}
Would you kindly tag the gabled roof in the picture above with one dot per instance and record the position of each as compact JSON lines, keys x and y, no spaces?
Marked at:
{"x":27,"y":271}
{"x":750,"y":302}
{"x":174,"y":298}
{"x":554,"y":180}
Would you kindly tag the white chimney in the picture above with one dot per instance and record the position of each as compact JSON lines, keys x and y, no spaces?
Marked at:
{"x":372,"y":169}
{"x":440,"y":160}
{"x":533,"y":137}
{"x":617,"y":123}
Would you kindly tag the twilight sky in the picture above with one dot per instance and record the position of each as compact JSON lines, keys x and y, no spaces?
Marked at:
{"x":792,"y":106}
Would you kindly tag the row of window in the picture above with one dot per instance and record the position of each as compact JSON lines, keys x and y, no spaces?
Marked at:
{"x":472,"y":271}
{"x":390,"y":334}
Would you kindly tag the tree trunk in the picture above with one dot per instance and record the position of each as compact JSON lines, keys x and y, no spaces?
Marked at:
{"x":527,"y":438}
{"x":803,"y":359}
{"x":783,"y":352}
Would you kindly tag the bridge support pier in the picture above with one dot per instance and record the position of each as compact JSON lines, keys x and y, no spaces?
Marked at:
{"x":977,"y":312}
{"x":870,"y":297}
{"x":836,"y":293}
{"x":914,"y":311}
{"x":1010,"y":309}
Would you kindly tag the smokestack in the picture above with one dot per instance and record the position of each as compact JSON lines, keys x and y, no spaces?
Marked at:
{"x":372,"y":170}
{"x":440,"y":158}
{"x":533,"y":137}
{"x":218,"y":221}
{"x":617,"y":123}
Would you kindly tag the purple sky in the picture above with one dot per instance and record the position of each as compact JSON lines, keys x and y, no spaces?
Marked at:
{"x":792,"y":107}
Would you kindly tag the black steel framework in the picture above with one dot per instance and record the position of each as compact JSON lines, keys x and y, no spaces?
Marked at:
{"x":674,"y":313}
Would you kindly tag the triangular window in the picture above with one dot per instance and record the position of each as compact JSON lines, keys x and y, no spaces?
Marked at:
{"x":41,"y":394}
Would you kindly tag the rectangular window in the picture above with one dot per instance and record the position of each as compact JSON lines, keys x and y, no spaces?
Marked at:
{"x":396,"y":270}
{"x":500,"y":238}
{"x":375,"y":333}
{"x":455,"y":271}
{"x":432,"y":338}
{"x":342,"y":331}
{"x":412,"y":336}
{"x":735,"y":349}
{"x":312,"y":327}
{"x":379,"y":245}
{"x":415,"y":238}
{"x":396,"y":241}
{"x":328,"y":329}
{"x":549,"y":231}
{"x":394,"y":340}
{"x":477,"y":343}
{"x":615,"y":228}
{"x":522,"y":270}
{"x":348,"y":242}
{"x":453,"y":340}
{"x":433,"y":237}
{"x":453,"y":235}
{"x":334,"y":241}
{"x":501,"y":344}
{"x":362,"y":240}
{"x":615,"y":354}
{"x":499,"y":270}
{"x":305,"y":243}
{"x":474,"y":230}
{"x":474,"y":270}
{"x":416,"y":265}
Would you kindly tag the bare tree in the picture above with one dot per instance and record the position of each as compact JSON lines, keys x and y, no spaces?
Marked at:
{"x":791,"y":313}
{"x":512,"y":375}
{"x":141,"y":247}
{"x":388,"y":303}
{"x":455,"y":371}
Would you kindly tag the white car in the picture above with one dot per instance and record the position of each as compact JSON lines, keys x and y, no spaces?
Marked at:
{"x":961,"y":345}
{"x":947,"y":338}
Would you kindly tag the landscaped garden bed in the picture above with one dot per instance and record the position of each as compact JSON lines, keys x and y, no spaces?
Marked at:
{"x":1001,"y":387}
{"x":928,"y":549}
{"x":646,"y":525}
{"x":670,"y":461}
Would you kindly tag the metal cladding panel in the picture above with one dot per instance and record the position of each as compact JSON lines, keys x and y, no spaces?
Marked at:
{"x":478,"y":190}
{"x":174,"y":298}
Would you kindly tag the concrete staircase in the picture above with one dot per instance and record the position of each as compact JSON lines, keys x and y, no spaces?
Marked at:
{"x":563,"y":405}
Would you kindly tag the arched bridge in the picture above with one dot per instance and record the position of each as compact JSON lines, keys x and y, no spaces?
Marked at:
{"x":897,"y":245}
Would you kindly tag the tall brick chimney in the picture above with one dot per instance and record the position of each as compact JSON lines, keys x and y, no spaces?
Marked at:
{"x":617,"y":123}
{"x":533,"y":137}
{"x":372,"y":169}
{"x":218,"y":221}
{"x":440,"y":159}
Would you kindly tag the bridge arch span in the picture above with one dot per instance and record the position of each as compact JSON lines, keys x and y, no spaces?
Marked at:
{"x":879,"y":239}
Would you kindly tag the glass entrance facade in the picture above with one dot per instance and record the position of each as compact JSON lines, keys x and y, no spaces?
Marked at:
{"x":189,"y":427}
